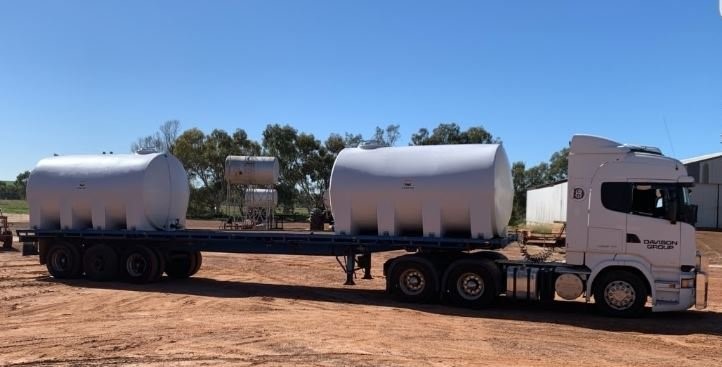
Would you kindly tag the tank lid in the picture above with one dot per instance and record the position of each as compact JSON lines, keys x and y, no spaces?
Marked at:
{"x":372,"y":144}
{"x":144,"y":151}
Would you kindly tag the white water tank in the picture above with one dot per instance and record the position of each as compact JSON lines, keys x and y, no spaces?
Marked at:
{"x":436,"y":191}
{"x":249,"y":170}
{"x":106,"y":192}
{"x":260,"y":198}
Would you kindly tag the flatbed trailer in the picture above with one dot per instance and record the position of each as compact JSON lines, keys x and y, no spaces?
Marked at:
{"x":356,"y":250}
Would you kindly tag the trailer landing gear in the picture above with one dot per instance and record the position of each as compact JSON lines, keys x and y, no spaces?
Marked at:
{"x":349,"y":266}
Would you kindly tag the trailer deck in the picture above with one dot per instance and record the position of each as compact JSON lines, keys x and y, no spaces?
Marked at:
{"x":266,"y":242}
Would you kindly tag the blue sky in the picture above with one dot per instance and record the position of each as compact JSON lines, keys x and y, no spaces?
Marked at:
{"x":92,"y":76}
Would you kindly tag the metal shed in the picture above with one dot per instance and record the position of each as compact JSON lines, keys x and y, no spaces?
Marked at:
{"x":707,"y":173}
{"x":547,"y":204}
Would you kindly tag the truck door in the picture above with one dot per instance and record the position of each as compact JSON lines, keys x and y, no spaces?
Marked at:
{"x":607,"y":224}
{"x":650,"y":234}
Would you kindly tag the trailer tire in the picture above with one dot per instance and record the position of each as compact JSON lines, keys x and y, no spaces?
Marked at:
{"x":181,"y":264}
{"x":199,"y":262}
{"x":100,"y":263}
{"x":161,"y":265}
{"x":63,"y":261}
{"x":414,"y":280}
{"x":472,"y":283}
{"x":140,"y":264}
{"x":620,"y":293}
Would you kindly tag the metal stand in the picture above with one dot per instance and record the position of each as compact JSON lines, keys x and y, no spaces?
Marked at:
{"x":350,"y":266}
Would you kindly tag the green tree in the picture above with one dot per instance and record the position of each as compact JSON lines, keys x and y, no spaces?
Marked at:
{"x":558,"y":165}
{"x":161,"y":141}
{"x":305,"y":163}
{"x":518,"y":174}
{"x":450,"y":133}
{"x":204,"y":157}
{"x":281,"y":142}
{"x":21,"y":184}
{"x":8,"y":191}
{"x":388,"y":136}
{"x":352,"y":140}
{"x":335,"y":143}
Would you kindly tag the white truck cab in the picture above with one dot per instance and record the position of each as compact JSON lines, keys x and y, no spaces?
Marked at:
{"x":629,"y":220}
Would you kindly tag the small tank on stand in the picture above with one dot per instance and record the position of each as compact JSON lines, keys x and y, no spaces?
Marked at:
{"x":249,"y":182}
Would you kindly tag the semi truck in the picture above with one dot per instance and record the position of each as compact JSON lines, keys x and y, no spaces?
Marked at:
{"x":630,"y":230}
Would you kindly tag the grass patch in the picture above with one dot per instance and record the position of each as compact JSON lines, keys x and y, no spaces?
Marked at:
{"x":14,"y":206}
{"x":540,"y":228}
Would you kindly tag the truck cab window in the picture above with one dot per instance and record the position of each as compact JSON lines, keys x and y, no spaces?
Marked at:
{"x":651,"y":200}
{"x":617,"y":196}
{"x":646,"y":199}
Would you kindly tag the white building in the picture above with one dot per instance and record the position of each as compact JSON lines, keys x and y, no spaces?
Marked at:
{"x":547,"y":204}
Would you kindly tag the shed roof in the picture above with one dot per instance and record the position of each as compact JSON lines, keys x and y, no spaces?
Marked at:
{"x":547,"y":185}
{"x":701,"y":158}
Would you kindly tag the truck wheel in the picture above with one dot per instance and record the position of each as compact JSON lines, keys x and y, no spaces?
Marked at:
{"x":413,"y":280}
{"x":140,"y":264}
{"x":620,"y":293}
{"x":199,"y":262}
{"x":100,"y":263}
{"x":472,"y":283}
{"x":181,"y":264}
{"x":64,"y":261}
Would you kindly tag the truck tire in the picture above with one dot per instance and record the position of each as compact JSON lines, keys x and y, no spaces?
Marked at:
{"x":620,"y":293}
{"x":413,"y":279}
{"x":100,"y":263}
{"x":181,"y":264}
{"x":64,"y":261}
{"x":140,"y":264}
{"x":472,"y":283}
{"x":199,"y":262}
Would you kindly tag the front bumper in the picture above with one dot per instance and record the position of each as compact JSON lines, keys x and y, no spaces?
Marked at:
{"x":701,"y":281}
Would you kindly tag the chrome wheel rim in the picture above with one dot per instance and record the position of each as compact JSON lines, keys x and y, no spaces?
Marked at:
{"x":412,"y":282}
{"x":619,"y":295}
{"x":470,"y":286}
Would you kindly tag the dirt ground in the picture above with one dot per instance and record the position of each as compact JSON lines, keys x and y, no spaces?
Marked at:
{"x":252,"y":310}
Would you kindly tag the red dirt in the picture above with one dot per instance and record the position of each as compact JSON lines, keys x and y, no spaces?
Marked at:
{"x":253,"y":310}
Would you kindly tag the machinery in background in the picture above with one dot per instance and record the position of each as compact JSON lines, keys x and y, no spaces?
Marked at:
{"x":6,"y":236}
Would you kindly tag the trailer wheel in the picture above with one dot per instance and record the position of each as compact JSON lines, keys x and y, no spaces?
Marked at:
{"x":161,"y":266}
{"x":413,"y":280}
{"x":199,"y":262}
{"x":472,"y":283}
{"x":181,"y":264}
{"x":100,"y":263}
{"x":63,"y":261}
{"x":140,"y":264}
{"x":620,"y":293}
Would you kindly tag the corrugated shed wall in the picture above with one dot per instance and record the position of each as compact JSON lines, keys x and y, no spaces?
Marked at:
{"x":547,"y":204}
{"x":707,"y":198}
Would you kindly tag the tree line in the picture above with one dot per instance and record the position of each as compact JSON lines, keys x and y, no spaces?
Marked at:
{"x":14,"y":190}
{"x":305,"y":161}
